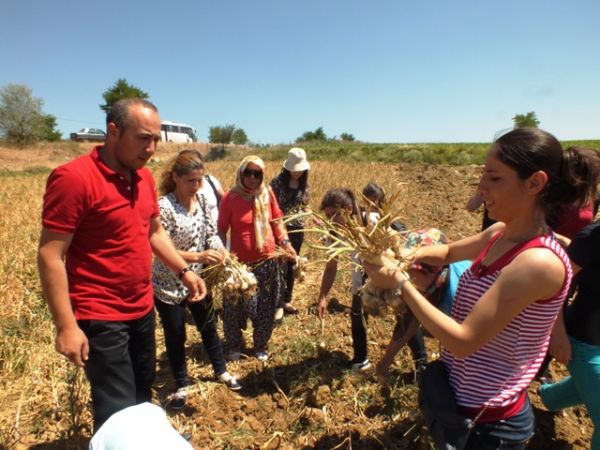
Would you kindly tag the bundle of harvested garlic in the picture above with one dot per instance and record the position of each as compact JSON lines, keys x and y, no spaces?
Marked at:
{"x":299,"y":268}
{"x":230,"y":280}
{"x":378,"y":301}
{"x":375,"y":242}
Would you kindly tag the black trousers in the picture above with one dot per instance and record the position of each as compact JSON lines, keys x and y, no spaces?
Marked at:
{"x":359,"y":335}
{"x":296,"y":240}
{"x":121,"y":364}
{"x":172,"y":318}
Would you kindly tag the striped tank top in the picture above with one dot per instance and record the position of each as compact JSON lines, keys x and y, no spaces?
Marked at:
{"x":497,"y":375}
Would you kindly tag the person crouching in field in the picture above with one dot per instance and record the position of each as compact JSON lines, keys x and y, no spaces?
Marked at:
{"x":333,"y":203}
{"x":185,"y":215}
{"x":438,"y":284}
{"x":252,"y":216}
{"x":506,"y":302}
{"x":101,"y":225}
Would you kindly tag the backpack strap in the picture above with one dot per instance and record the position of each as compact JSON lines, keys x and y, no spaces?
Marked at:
{"x":214,"y":188}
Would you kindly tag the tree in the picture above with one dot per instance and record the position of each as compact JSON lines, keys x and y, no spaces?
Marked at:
{"x":239,"y":137}
{"x":347,"y":137}
{"x":528,"y":120}
{"x":48,"y":131}
{"x":317,"y":135}
{"x":221,"y":135}
{"x":21,"y":117}
{"x":121,"y":89}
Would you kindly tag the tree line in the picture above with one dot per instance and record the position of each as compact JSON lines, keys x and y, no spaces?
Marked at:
{"x":23,"y":122}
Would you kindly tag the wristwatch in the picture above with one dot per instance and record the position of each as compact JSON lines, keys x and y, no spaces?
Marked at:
{"x":284,"y":241}
{"x":183,"y":271}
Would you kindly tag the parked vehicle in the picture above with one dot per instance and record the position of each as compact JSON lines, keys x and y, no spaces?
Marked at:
{"x":177,"y":132}
{"x":89,"y":134}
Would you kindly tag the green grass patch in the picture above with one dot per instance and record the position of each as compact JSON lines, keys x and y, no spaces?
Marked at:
{"x":456,"y":154}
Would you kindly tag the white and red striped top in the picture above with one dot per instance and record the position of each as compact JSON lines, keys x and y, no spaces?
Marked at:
{"x":498,"y":374}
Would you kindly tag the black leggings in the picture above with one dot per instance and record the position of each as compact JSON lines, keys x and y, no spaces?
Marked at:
{"x":172,"y":318}
{"x":359,"y":335}
{"x":296,"y":239}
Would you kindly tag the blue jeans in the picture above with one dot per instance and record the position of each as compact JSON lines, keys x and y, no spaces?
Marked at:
{"x":579,"y":388}
{"x":512,"y":433}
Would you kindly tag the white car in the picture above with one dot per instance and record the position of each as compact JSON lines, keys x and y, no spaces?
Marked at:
{"x":89,"y":134}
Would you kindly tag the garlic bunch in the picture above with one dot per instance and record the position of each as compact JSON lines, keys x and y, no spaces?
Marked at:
{"x":378,"y":301}
{"x":299,"y":269}
{"x":230,"y":279}
{"x":239,"y":281}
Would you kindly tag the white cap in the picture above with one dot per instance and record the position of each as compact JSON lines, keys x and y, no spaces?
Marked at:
{"x":296,"y":160}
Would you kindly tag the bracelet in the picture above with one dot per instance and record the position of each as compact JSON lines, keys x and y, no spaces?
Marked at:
{"x":183,"y":271}
{"x":284,"y":241}
{"x":405,"y":278}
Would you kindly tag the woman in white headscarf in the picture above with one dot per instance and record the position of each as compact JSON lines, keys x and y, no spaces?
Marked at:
{"x":251,"y":215}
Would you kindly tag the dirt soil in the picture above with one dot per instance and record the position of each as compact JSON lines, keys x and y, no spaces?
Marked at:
{"x":305,"y":396}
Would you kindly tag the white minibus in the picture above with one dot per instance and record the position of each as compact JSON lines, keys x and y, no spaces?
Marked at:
{"x":176,"y":132}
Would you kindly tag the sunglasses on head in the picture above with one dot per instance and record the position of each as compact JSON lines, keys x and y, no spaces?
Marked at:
{"x":253,"y":173}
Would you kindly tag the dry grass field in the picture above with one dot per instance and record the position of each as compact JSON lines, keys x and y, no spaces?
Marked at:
{"x":304,"y":397}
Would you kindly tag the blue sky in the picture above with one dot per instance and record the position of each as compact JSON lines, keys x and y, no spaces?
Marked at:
{"x":385,"y":71}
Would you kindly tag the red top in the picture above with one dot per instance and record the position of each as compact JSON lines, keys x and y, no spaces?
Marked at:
{"x":497,"y":375}
{"x":236,"y":213}
{"x":572,"y":219}
{"x":109,"y":261}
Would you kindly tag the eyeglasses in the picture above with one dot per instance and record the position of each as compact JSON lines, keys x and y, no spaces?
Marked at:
{"x":253,"y":173}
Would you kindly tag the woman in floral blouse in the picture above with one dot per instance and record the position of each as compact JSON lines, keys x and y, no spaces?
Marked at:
{"x":185,"y":215}
{"x":291,"y":190}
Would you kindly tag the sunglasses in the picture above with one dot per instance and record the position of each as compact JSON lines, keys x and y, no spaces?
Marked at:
{"x":253,"y":173}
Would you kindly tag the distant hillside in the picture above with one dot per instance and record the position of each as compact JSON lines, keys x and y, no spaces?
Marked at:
{"x":46,"y":156}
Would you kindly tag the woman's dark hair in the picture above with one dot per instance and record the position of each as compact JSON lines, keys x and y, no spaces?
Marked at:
{"x":376,"y":192}
{"x":527,"y":150}
{"x":341,"y":198}
{"x":585,"y":168}
{"x":302,"y":183}
{"x":181,"y":164}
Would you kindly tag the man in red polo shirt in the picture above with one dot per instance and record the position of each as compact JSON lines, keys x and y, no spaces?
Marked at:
{"x":100,"y":227}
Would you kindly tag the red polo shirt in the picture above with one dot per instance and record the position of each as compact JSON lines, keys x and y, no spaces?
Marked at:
{"x":109,"y":261}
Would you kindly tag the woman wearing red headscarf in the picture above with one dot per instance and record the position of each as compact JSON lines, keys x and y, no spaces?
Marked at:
{"x":251,"y":215}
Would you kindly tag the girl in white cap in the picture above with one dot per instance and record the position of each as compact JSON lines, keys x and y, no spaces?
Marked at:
{"x":292,"y":192}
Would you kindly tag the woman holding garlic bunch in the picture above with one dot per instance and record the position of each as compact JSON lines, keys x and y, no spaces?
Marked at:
{"x":185,"y":215}
{"x":506,"y":303}
{"x":251,"y":215}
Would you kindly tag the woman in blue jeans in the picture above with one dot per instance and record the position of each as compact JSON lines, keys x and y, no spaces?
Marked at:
{"x":508,"y":300}
{"x":576,"y":339}
{"x":185,"y":215}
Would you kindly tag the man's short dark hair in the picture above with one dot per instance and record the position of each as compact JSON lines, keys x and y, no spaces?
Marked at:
{"x":119,"y":111}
